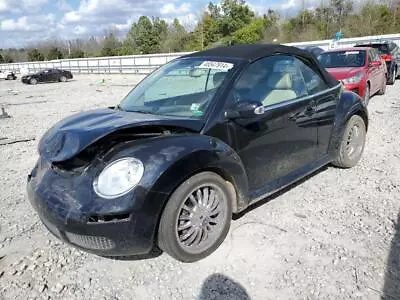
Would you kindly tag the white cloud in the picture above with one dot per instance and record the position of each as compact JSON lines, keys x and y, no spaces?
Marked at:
{"x":80,"y":30}
{"x":170,"y":8}
{"x":15,"y":25}
{"x":63,"y":5}
{"x":28,"y":4}
{"x":24,"y":6}
{"x":289,"y":4}
{"x":72,"y":17}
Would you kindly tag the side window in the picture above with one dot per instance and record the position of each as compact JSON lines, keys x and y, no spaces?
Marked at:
{"x":313,"y":80}
{"x":370,"y":57}
{"x":271,"y":80}
{"x":374,"y":55}
{"x":377,"y":56}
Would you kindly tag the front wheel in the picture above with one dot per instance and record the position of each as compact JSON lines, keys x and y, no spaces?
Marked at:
{"x":196,"y":218}
{"x":63,"y":79}
{"x":33,"y":81}
{"x":352,"y":143}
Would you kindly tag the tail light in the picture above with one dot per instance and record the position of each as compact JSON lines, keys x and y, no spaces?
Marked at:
{"x":387,"y":57}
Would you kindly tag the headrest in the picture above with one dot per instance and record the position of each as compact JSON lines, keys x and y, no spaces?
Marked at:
{"x":218,"y":78}
{"x":280,"y":81}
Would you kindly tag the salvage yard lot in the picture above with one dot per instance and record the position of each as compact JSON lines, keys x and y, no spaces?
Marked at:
{"x":332,"y":236}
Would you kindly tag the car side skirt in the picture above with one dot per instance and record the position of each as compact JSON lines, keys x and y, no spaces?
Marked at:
{"x":293,"y":177}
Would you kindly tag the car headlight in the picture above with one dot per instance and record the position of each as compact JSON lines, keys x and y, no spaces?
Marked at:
{"x":354,"y":79}
{"x":118,"y":178}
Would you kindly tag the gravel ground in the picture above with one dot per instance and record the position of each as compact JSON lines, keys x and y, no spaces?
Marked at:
{"x":332,"y":236}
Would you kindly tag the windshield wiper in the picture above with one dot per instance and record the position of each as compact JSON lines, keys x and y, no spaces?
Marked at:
{"x":141,"y":111}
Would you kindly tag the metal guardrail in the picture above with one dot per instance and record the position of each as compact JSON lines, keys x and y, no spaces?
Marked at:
{"x":131,"y":64}
{"x":348,"y":42}
{"x":145,"y":64}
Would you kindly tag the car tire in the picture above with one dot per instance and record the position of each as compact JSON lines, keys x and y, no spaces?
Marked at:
{"x":63,"y":79}
{"x":392,"y":78}
{"x":10,"y":77}
{"x":367,"y":94}
{"x":33,"y":81}
{"x":382,"y":90}
{"x":194,"y":222}
{"x":352,"y":143}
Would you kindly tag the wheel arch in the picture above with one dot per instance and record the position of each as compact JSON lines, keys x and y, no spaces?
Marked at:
{"x":227,"y":167}
{"x":349,"y":105}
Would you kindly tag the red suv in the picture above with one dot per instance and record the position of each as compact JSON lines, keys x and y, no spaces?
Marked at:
{"x":361,"y":70}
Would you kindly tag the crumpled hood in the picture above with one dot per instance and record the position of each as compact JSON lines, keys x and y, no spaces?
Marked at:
{"x":73,"y":134}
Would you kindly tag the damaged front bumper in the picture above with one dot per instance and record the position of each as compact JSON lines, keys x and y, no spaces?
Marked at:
{"x":69,"y":208}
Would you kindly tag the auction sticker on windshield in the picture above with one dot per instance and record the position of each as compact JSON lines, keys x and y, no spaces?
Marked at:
{"x":216,"y":65}
{"x":351,"y":52}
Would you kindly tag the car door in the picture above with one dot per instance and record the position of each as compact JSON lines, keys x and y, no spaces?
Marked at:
{"x":55,"y":75}
{"x":326,"y":100}
{"x":373,"y":72}
{"x":396,"y":55}
{"x":45,"y":76}
{"x":282,"y":139}
{"x":381,"y":75}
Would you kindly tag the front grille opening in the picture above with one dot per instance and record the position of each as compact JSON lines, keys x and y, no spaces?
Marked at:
{"x":109,"y":218}
{"x":90,"y":242}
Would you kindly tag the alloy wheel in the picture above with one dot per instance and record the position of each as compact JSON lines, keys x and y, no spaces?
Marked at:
{"x":354,"y":144}
{"x":201,"y":218}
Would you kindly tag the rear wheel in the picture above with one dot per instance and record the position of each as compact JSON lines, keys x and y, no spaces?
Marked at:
{"x":196,"y":218}
{"x":392,"y":78}
{"x":382,"y":90}
{"x":10,"y":77}
{"x":352,"y":143}
{"x":33,"y":81}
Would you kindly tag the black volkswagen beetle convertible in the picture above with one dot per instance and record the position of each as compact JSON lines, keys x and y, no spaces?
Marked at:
{"x":197,"y":141}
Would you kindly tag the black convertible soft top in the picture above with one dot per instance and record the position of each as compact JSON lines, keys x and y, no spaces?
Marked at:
{"x":252,"y":52}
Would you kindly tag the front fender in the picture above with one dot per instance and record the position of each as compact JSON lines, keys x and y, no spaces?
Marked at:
{"x":350,"y":104}
{"x":170,"y":160}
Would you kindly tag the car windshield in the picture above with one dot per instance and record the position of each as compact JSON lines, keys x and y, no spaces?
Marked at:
{"x":183,"y":87}
{"x":343,"y":59}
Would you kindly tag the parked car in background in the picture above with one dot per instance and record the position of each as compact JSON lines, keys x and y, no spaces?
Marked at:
{"x":316,"y":51}
{"x":47,"y":75}
{"x":361,"y":70}
{"x":390,"y":52}
{"x":201,"y":138}
{"x":7,"y":75}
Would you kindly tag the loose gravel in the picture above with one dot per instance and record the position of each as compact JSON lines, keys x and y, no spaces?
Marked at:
{"x":332,"y":236}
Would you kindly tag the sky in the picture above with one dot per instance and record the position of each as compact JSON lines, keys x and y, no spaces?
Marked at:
{"x":23,"y":22}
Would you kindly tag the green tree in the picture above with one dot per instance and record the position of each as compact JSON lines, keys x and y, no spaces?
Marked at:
{"x":236,"y":15}
{"x":77,"y":54}
{"x":8,"y":59}
{"x":175,"y":38}
{"x":111,"y":45}
{"x":1,"y":59}
{"x":54,"y":53}
{"x":35,"y":55}
{"x":140,"y":39}
{"x":341,"y":10}
{"x":249,"y":34}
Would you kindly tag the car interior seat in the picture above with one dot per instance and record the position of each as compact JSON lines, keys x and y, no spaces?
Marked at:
{"x":281,"y":88}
